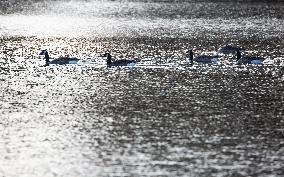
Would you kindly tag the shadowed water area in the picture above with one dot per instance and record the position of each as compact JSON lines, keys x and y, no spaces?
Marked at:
{"x":162,"y":119}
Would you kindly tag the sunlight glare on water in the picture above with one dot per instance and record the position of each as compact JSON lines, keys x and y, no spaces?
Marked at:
{"x":69,"y":26}
{"x":110,"y":19}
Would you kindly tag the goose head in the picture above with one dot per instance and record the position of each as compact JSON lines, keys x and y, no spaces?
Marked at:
{"x":190,"y":55}
{"x":45,"y":53}
{"x":239,"y":55}
{"x":108,"y":55}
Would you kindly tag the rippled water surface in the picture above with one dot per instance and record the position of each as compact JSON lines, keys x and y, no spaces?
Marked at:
{"x":162,"y":118}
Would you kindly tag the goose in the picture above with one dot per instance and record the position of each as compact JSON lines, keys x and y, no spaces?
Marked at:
{"x":122,"y":62}
{"x":228,"y":50}
{"x":248,"y":60}
{"x":58,"y":61}
{"x":202,"y":59}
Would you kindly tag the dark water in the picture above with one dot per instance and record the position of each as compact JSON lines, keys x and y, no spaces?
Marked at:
{"x":157,"y":120}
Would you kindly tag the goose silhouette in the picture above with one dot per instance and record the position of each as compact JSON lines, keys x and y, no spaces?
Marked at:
{"x":58,"y":61}
{"x":228,"y":50}
{"x":122,"y":62}
{"x":248,"y":59}
{"x":202,"y":59}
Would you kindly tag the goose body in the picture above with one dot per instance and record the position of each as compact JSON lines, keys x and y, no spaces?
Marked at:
{"x":228,"y":50}
{"x":203,"y":59}
{"x":58,"y":61}
{"x":64,"y":60}
{"x":118,"y":63}
{"x":250,"y":60}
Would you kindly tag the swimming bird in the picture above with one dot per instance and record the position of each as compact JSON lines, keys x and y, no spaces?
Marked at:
{"x":248,"y":60}
{"x":122,"y":62}
{"x":228,"y":50}
{"x":58,"y":61}
{"x":202,"y":59}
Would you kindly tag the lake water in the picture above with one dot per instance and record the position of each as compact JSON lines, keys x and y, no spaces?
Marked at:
{"x":163,"y":119}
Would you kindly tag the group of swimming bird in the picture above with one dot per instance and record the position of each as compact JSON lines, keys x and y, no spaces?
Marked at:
{"x":68,"y":60}
{"x":226,"y":50}
{"x":202,"y":59}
